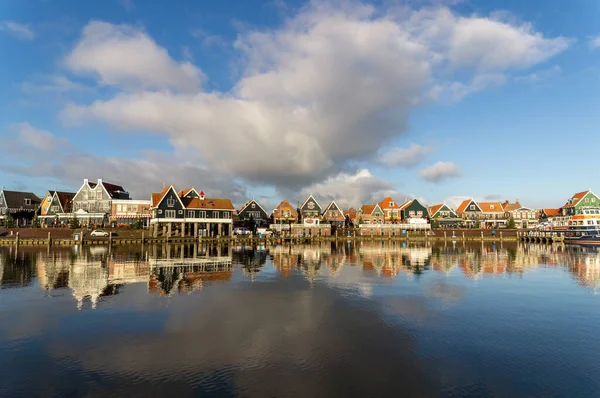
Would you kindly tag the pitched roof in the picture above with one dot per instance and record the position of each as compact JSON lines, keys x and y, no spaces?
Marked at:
{"x":216,"y":203}
{"x":434,"y":209}
{"x":248,"y":203}
{"x":351,"y":212}
{"x":285,"y":204}
{"x":576,"y":198}
{"x":463,"y":206}
{"x":551,"y":212}
{"x":491,"y":207}
{"x":405,"y":204}
{"x":157,"y":197}
{"x":511,"y":206}
{"x":16,"y":200}
{"x":367,"y":209}
{"x":385,"y":203}
{"x":313,"y":198}
{"x":112,"y":189}
{"x":66,"y":200}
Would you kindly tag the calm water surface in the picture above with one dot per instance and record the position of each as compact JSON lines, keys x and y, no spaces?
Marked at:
{"x":370,"y":319}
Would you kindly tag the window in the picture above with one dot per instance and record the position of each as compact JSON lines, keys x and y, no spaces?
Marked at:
{"x":226,"y":214}
{"x":202,"y":214}
{"x":49,"y":199}
{"x":180,"y":212}
{"x":85,"y":195}
{"x":391,"y":204}
{"x":215,"y":214}
{"x":170,"y":213}
{"x":99,"y":195}
{"x":190,"y":214}
{"x":27,"y":201}
{"x":472,"y":207}
{"x":253,"y":206}
{"x":159,"y":211}
{"x":54,"y":208}
{"x":492,"y":207}
{"x":119,"y":208}
{"x":170,"y":202}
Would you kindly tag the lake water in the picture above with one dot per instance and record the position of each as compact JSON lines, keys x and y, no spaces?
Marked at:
{"x":372,"y":319}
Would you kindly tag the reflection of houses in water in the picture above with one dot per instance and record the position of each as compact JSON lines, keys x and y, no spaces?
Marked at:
{"x":122,"y":270}
{"x":17,"y":266}
{"x":388,"y":259}
{"x":587,"y":271}
{"x":53,"y":269}
{"x":88,"y":275}
{"x":188,"y":271}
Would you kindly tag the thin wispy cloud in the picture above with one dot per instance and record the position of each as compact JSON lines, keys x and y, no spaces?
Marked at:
{"x":406,"y":157}
{"x":18,"y":30}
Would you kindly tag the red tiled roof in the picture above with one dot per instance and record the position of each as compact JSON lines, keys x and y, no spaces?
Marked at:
{"x":434,"y":209}
{"x":285,"y":205}
{"x":511,"y":206}
{"x":463,"y":205}
{"x":576,"y":198}
{"x":197,"y":203}
{"x":368,"y":209}
{"x":552,"y":212}
{"x":491,"y":207}
{"x":385,"y":203}
{"x":156,"y":197}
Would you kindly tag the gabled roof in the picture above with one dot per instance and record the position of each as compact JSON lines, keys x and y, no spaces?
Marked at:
{"x":207,"y":203}
{"x":158,"y":197}
{"x":313,"y":198}
{"x":65,"y":199}
{"x":332,"y":203}
{"x":385,"y":203}
{"x":405,"y":204}
{"x":285,"y":204}
{"x":367,"y":209}
{"x":551,"y":212}
{"x":351,"y":212}
{"x":491,"y":207}
{"x":186,"y":192}
{"x":465,"y":203}
{"x":435,"y":208}
{"x":511,"y":206}
{"x":575,"y":199}
{"x":248,"y":203}
{"x":112,"y":189}
{"x":16,"y":200}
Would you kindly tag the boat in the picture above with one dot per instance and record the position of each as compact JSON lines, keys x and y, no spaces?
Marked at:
{"x":584,"y":228}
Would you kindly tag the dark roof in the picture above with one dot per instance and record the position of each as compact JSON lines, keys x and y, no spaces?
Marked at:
{"x":16,"y":200}
{"x":113,"y":189}
{"x":66,"y":200}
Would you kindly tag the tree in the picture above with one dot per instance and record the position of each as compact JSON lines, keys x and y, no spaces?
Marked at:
{"x":74,"y":223}
{"x":9,"y":221}
{"x":435,"y":223}
{"x":139,"y":223}
{"x":511,"y":223}
{"x":477,"y":224}
{"x":360,"y":221}
{"x":35,"y":223}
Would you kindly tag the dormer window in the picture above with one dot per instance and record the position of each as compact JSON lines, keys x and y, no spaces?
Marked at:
{"x":27,"y":201}
{"x":391,"y":204}
{"x":492,"y":207}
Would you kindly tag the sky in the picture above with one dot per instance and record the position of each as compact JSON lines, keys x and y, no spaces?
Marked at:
{"x":271,"y":100}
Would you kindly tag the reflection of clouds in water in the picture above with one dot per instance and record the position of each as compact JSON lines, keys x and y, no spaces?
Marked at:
{"x":270,"y":339}
{"x":444,"y":291}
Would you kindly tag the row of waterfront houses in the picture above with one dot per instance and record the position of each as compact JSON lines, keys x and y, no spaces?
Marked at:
{"x":190,"y":212}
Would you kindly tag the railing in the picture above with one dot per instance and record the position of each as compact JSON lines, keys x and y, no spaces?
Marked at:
{"x":396,"y":227}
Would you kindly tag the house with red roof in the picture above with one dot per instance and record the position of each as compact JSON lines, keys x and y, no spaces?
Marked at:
{"x":391,"y":210}
{"x":580,"y":201}
{"x":190,"y":213}
{"x":488,"y":214}
{"x":371,"y":214}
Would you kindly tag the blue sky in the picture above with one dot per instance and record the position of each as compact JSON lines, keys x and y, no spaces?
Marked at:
{"x":271,"y":99}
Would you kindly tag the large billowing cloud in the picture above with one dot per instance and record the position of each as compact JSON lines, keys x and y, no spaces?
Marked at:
{"x":332,"y":86}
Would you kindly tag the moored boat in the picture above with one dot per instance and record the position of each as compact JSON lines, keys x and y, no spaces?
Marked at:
{"x":584,"y":228}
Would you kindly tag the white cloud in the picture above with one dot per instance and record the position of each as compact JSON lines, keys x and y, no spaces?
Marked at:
{"x":126,"y":56}
{"x":18,"y":30}
{"x":405,"y":157}
{"x":54,"y":83}
{"x":349,"y":189}
{"x":594,"y":42}
{"x":333,"y":86}
{"x":32,"y":141}
{"x":440,"y":171}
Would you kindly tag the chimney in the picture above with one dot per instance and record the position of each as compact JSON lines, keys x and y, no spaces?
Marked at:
{"x":85,"y":181}
{"x":99,"y":181}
